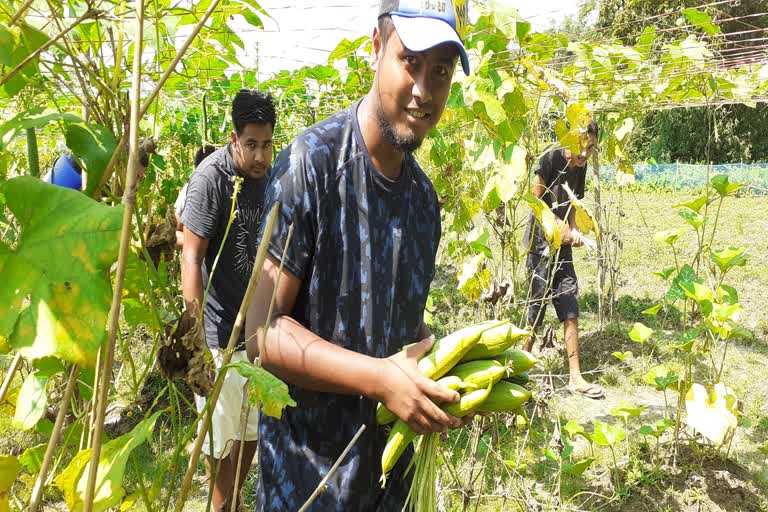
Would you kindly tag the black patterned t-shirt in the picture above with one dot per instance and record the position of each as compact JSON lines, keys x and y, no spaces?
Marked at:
{"x":364,"y":248}
{"x":206,"y":213}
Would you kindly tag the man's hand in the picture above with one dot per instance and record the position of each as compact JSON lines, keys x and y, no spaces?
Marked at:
{"x":577,"y":239}
{"x":410,"y":395}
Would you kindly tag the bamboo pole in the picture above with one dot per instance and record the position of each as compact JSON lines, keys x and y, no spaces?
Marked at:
{"x":261,"y":256}
{"x":129,"y":201}
{"x":37,"y":492}
{"x":20,"y":12}
{"x":158,"y":86}
{"x":9,"y":376}
{"x":601,"y":246}
{"x":244,"y":413}
{"x":32,"y":56}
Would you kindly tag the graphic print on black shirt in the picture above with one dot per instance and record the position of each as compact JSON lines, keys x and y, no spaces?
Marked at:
{"x":364,"y":248}
{"x":206,"y":213}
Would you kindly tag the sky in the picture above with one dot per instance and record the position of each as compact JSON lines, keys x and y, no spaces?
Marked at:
{"x":304,"y":32}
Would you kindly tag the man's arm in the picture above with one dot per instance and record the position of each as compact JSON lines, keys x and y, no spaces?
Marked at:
{"x":179,"y":232}
{"x":192,"y":254}
{"x":297,"y":355}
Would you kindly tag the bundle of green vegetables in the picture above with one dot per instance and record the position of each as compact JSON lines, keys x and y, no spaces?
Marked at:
{"x":478,"y":362}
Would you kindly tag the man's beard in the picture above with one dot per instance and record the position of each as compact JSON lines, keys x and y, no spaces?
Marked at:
{"x":406,"y":144}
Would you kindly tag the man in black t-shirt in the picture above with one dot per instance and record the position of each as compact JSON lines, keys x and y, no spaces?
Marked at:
{"x":553,"y":276}
{"x":358,"y":267}
{"x":243,"y":165}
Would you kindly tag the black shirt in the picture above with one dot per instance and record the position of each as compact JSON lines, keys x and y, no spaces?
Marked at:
{"x":553,"y":169}
{"x":364,"y":249}
{"x":206,"y":213}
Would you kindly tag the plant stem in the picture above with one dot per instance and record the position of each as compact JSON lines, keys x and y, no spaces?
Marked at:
{"x":333,"y":469}
{"x":9,"y":376}
{"x":37,"y":491}
{"x":129,"y":201}
{"x":109,"y":169}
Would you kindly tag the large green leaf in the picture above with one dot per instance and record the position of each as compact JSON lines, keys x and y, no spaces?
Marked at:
{"x":723,"y":186}
{"x":265,"y":389}
{"x":32,"y":118}
{"x":607,"y":435}
{"x":55,"y":292}
{"x":31,"y":402}
{"x":702,"y":20}
{"x":109,"y":477}
{"x":93,"y":145}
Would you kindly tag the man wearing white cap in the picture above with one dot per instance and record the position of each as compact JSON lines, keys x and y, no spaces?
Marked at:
{"x":358,"y":266}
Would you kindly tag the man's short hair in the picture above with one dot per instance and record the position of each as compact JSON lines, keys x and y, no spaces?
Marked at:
{"x":251,"y":106}
{"x":593,"y":129}
{"x":386,"y":27}
{"x":203,"y":152}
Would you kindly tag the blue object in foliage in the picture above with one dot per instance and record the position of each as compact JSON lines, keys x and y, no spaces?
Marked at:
{"x":66,"y":173}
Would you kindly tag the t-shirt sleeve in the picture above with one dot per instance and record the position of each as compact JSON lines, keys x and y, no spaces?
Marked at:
{"x":202,"y":205}
{"x":180,"y":200}
{"x":293,"y":184}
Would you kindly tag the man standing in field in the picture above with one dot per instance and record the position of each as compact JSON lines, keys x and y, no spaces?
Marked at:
{"x":205,"y":216}
{"x":555,"y":278}
{"x":366,"y":228}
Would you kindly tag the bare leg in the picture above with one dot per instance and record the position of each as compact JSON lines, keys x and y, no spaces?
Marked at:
{"x":225,"y":479}
{"x":577,"y":382}
{"x":249,"y":451}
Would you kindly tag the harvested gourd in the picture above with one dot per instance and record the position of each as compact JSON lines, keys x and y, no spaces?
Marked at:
{"x":479,"y":377}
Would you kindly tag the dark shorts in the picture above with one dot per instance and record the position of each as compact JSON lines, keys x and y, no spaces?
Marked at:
{"x":562,"y":289}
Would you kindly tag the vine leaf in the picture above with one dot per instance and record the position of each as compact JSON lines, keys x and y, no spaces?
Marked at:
{"x":546,"y":219}
{"x":56,"y":297}
{"x":607,"y":435}
{"x":31,"y":402}
{"x":114,"y":456}
{"x":585,"y":221}
{"x":93,"y":145}
{"x":640,"y":333}
{"x":711,"y":414}
{"x":265,"y":388}
{"x":9,"y":470}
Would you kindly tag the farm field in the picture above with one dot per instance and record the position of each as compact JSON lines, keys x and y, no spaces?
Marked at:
{"x":153,"y":153}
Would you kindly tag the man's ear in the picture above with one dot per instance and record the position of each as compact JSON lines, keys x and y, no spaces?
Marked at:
{"x":377,"y":48}
{"x":234,"y":137}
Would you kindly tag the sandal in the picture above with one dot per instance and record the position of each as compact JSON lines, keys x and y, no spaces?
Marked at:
{"x":592,"y":391}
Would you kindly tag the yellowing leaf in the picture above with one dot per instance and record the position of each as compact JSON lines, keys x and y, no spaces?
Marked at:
{"x":547,"y":220}
{"x":713,"y":414}
{"x":669,"y":237}
{"x":9,"y":470}
{"x":640,"y":333}
{"x":109,"y":477}
{"x":512,"y":175}
{"x":265,"y":389}
{"x":585,"y":221}
{"x":693,"y":204}
{"x":59,"y":268}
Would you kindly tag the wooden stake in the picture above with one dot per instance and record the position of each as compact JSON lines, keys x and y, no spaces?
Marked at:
{"x":37,"y":492}
{"x":9,"y":376}
{"x":129,"y":201}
